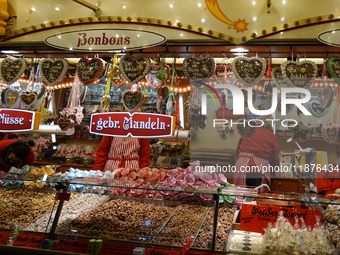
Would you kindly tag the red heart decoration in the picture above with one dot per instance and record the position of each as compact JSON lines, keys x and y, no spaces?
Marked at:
{"x":65,"y":124}
{"x":220,"y":74}
{"x":151,"y":78}
{"x":132,"y":100}
{"x":28,"y":98}
{"x":118,"y":80}
{"x":89,"y":70}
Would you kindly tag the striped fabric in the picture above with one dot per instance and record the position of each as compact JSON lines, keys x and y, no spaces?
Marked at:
{"x":241,"y":177}
{"x":124,"y":152}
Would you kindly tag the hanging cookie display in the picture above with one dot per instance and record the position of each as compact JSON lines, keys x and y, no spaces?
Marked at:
{"x":9,"y":97}
{"x":220,"y":74}
{"x":11,"y":69}
{"x":89,"y":70}
{"x":278,"y":78}
{"x":199,"y":70}
{"x":317,"y":109}
{"x":299,"y":74}
{"x":29,"y":97}
{"x":133,"y":99}
{"x":133,"y":68}
{"x":325,"y":97}
{"x":249,"y":71}
{"x":333,"y":65}
{"x":52,"y":71}
{"x":300,"y":132}
{"x":156,"y":76}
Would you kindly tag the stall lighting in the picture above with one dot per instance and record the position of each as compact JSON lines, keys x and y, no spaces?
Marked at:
{"x":239,"y":50}
{"x":9,"y":52}
{"x":284,"y":2}
{"x":138,"y":35}
{"x":254,"y":18}
{"x":199,"y":4}
{"x":254,"y":2}
{"x":171,"y":6}
{"x":283,"y":18}
{"x":71,"y":49}
{"x":181,"y":34}
{"x":57,"y":8}
{"x":33,"y":9}
{"x":124,"y":7}
{"x":203,"y":20}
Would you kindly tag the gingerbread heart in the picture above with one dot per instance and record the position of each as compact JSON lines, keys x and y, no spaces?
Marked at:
{"x":289,"y":107}
{"x":39,"y":89}
{"x":246,"y":131}
{"x":89,"y":70}
{"x":65,"y":123}
{"x":333,"y":65}
{"x":9,"y":97}
{"x":52,"y":71}
{"x":220,"y":74}
{"x":330,"y":133}
{"x":317,"y":109}
{"x":278,"y":78}
{"x":151,"y":78}
{"x":28,"y":98}
{"x":11,"y":69}
{"x":325,"y":96}
{"x":133,"y":68}
{"x":118,"y":80}
{"x":199,"y":70}
{"x":231,"y":77}
{"x":299,"y":74}
{"x":245,"y":96}
{"x":132,"y":100}
{"x":249,"y":71}
{"x":165,"y":92}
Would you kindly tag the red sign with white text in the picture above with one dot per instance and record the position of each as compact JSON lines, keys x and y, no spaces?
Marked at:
{"x":255,"y":218}
{"x":123,"y":124}
{"x":12,"y":120}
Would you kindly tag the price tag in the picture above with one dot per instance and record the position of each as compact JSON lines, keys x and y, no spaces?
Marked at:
{"x":63,"y":196}
{"x":28,"y":241}
{"x":80,"y":246}
{"x":116,"y":249}
{"x":65,"y":245}
{"x":255,"y":218}
{"x":3,"y":238}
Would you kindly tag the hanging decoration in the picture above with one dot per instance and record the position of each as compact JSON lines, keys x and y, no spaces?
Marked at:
{"x":245,"y":95}
{"x":152,"y":78}
{"x":52,"y":71}
{"x":9,"y":97}
{"x":43,"y":108}
{"x":299,"y":74}
{"x":325,"y":97}
{"x":83,"y":90}
{"x":39,"y":86}
{"x":133,"y":68}
{"x":289,"y":107}
{"x":72,"y":114}
{"x":317,"y":109}
{"x":110,"y":72}
{"x":300,"y":132}
{"x":268,"y":83}
{"x":278,"y":78}
{"x":89,"y":70}
{"x":220,"y":74}
{"x":331,"y":130}
{"x":249,"y":71}
{"x":223,"y":129}
{"x":197,"y":119}
{"x":29,"y":97}
{"x":171,"y":103}
{"x":199,"y":70}
{"x":164,"y":92}
{"x":133,"y":99}
{"x":333,"y":65}
{"x":11,"y":69}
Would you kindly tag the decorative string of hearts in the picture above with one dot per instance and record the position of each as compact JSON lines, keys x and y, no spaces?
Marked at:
{"x":299,"y":74}
{"x":133,"y":68}
{"x":151,"y":77}
{"x":325,"y":97}
{"x":89,"y":70}
{"x":11,"y":69}
{"x":9,"y":97}
{"x":53,"y":71}
{"x":249,"y":71}
{"x":333,"y":65}
{"x":317,"y":109}
{"x":199,"y":70}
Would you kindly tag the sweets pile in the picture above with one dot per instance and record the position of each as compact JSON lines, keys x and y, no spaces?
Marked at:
{"x":332,"y":216}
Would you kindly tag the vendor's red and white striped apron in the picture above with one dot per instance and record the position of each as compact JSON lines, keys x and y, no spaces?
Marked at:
{"x":243,"y":160}
{"x":124,"y":152}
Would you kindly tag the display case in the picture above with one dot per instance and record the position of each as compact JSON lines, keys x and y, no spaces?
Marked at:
{"x":156,"y":216}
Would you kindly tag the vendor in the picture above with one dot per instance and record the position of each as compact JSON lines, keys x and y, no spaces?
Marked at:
{"x":15,"y":153}
{"x":122,"y":152}
{"x":260,"y":150}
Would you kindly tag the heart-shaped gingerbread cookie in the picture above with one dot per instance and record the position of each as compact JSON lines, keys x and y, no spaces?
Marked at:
{"x":28,"y":98}
{"x":132,"y":100}
{"x":333,"y":65}
{"x":220,"y":74}
{"x":330,"y":133}
{"x":199,"y":70}
{"x":52,"y":71}
{"x":249,"y":71}
{"x":11,"y":69}
{"x":299,"y":74}
{"x":317,"y":109}
{"x":9,"y":97}
{"x":246,"y":131}
{"x":89,"y":70}
{"x":133,"y":68}
{"x":325,"y":96}
{"x":65,"y":123}
{"x":118,"y":80}
{"x":278,"y":78}
{"x":151,"y":78}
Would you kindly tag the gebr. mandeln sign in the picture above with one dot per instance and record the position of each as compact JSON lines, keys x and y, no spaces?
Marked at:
{"x":12,"y":120}
{"x":105,"y":39}
{"x":123,"y":124}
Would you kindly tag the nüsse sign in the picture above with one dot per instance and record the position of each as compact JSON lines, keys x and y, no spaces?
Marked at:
{"x":105,"y":39}
{"x":123,"y":124}
{"x":12,"y":120}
